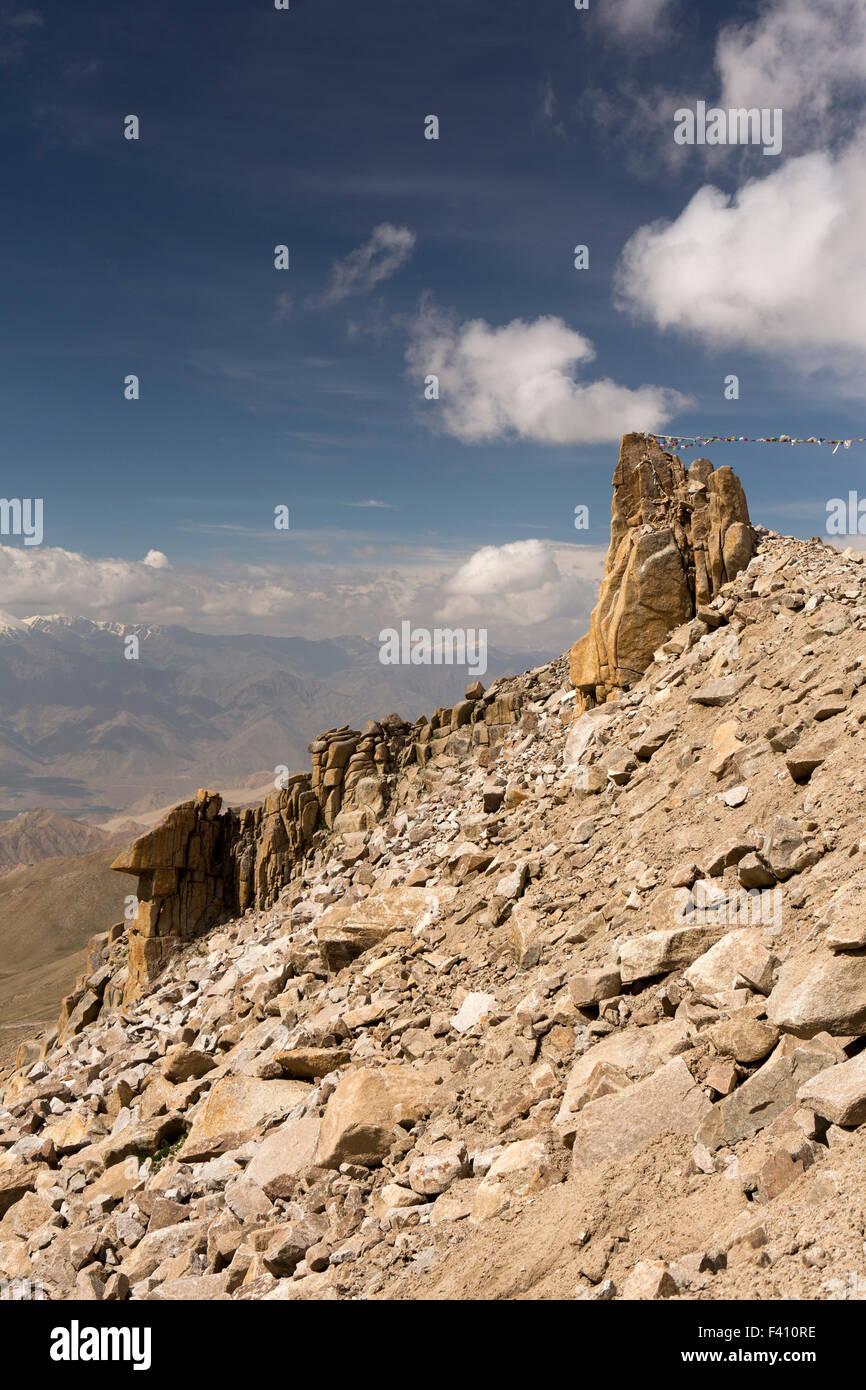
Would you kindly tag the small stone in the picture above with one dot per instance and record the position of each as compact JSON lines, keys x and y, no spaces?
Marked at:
{"x":745,"y":1039}
{"x":474,"y":1010}
{"x":720,"y":690}
{"x":803,"y":759}
{"x":735,"y":796}
{"x":753,"y":872}
{"x":493,"y":795}
{"x":433,"y":1173}
{"x":650,"y":1279}
{"x":722,"y":1078}
{"x":594,"y":985}
{"x":525,"y":938}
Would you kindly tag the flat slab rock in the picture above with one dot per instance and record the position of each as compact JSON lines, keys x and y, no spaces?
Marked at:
{"x":721,"y":690}
{"x":756,"y":1103}
{"x":639,"y":1051}
{"x":236,"y":1104}
{"x":615,"y":1125}
{"x":660,"y":952}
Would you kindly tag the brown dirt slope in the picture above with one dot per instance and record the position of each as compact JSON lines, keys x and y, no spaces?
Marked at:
{"x":47,"y":913}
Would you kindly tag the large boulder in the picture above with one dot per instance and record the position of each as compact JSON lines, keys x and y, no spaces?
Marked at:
{"x":368,"y":1108}
{"x":676,"y":537}
{"x":235,"y":1105}
{"x":820,"y":992}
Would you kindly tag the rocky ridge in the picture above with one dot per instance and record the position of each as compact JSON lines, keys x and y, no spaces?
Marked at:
{"x":584,"y":1006}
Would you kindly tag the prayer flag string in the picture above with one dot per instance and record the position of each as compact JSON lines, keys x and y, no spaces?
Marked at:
{"x":684,"y":442}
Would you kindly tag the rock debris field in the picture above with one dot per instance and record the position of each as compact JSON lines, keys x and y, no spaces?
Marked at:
{"x":578,"y":1012}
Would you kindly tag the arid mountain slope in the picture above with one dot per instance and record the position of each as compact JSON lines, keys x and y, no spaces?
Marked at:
{"x":581,"y":1015}
{"x":48,"y":911}
{"x":42,"y":834}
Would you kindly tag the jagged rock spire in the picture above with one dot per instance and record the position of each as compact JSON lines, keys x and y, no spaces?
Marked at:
{"x":676,"y":536}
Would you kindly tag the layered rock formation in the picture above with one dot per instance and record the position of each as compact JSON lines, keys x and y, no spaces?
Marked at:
{"x":676,"y":536}
{"x":204,"y":865}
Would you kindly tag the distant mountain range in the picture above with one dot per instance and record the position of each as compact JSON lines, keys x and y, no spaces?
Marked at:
{"x":87,"y":731}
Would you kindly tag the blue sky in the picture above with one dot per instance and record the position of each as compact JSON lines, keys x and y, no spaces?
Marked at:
{"x":305,"y":387}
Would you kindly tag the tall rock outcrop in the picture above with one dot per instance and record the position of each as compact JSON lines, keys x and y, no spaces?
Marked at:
{"x":676,"y":536}
{"x":186,"y":881}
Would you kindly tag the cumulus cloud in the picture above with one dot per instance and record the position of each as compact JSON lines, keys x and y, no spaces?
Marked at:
{"x":529,"y":594}
{"x":809,"y":59}
{"x":386,"y":251}
{"x":534,"y":585}
{"x":518,"y":381}
{"x":516,"y":567}
{"x":156,"y":560}
{"x":777,"y":266}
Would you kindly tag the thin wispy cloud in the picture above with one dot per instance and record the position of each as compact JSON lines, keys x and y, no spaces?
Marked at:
{"x":18,"y":27}
{"x":632,"y":19}
{"x":283,"y":307}
{"x":386,"y":251}
{"x":369,"y":502}
{"x":547,"y":111}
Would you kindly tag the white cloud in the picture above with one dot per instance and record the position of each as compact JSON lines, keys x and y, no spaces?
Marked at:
{"x":545,"y":589}
{"x":529,"y":594}
{"x":777,"y":266}
{"x":156,"y":560}
{"x":518,"y":381}
{"x":386,"y":251}
{"x":807,"y":58}
{"x":515,"y":567}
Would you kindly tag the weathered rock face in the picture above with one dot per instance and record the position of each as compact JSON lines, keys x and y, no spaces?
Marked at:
{"x":185,"y":882}
{"x":203,"y":865}
{"x":676,"y":537}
